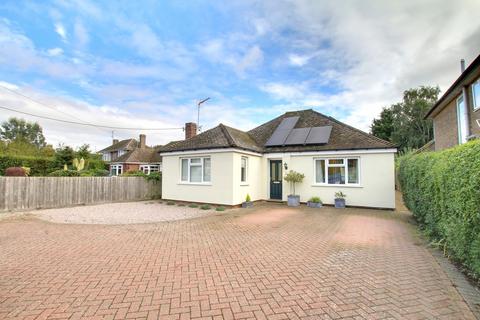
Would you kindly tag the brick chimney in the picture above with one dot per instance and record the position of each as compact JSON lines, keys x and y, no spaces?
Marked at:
{"x":143,"y":139}
{"x":190,"y":130}
{"x":115,"y":141}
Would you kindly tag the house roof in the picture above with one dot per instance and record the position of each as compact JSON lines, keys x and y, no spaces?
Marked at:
{"x":343,"y":136}
{"x":451,"y":92}
{"x":127,"y":144}
{"x":143,"y":155}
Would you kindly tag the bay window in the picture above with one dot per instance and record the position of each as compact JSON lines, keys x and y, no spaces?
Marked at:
{"x":196,"y":170}
{"x":336,"y":171}
{"x":116,"y":169}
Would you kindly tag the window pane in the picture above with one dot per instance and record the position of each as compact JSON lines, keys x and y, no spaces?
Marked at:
{"x":335,"y":161}
{"x":206,"y":169}
{"x":476,"y":95}
{"x":243,"y":170}
{"x":195,"y":160}
{"x":320,"y":171}
{"x":352,"y":170}
{"x":195,"y":173}
{"x":184,"y":169}
{"x":336,"y":175}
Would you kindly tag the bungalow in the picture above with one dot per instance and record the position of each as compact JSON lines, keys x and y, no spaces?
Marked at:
{"x":456,"y":115}
{"x":131,"y":155}
{"x":222,"y":165}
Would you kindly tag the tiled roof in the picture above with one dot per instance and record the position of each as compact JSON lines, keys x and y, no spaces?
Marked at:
{"x":144,"y":155}
{"x":127,"y":144}
{"x":343,"y":136}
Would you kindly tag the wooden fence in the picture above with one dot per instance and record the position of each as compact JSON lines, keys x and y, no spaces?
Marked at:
{"x":25,"y":193}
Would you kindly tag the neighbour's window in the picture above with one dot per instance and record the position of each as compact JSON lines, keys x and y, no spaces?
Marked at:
{"x":116,"y":169}
{"x":476,"y":94}
{"x":106,"y":157}
{"x":336,"y":171}
{"x":149,"y":168}
{"x":243,"y":169}
{"x":196,"y":170}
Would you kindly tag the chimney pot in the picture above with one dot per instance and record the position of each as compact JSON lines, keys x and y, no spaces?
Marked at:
{"x":115,"y":141}
{"x":143,"y":140}
{"x":462,"y":65}
{"x":190,"y":130}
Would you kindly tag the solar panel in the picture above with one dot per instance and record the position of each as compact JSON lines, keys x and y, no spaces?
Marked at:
{"x":297,"y":136}
{"x":319,"y":135}
{"x":281,"y":133}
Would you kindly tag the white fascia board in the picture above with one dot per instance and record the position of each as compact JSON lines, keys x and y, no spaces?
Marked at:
{"x":209,"y":151}
{"x":332,"y":152}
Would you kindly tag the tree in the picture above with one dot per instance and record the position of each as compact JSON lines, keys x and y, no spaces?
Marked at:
{"x":64,"y":155}
{"x":83,"y":151}
{"x":409,"y":129}
{"x":20,"y":130}
{"x":383,"y":126}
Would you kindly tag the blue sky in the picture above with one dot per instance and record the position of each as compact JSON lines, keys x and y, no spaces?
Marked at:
{"x":146,"y":63}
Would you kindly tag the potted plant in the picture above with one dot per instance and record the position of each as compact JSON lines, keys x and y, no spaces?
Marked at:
{"x":294,"y":178}
{"x":314,"y":202}
{"x":248,"y":202}
{"x":340,"y":199}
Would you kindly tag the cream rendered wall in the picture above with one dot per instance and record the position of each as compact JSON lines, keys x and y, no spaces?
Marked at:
{"x":377,"y":181}
{"x":255,"y":186}
{"x":218,"y":191}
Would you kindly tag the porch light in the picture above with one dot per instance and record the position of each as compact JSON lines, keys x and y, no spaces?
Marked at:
{"x":285,"y":165}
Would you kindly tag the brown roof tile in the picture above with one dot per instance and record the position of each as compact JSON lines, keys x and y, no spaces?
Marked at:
{"x":127,"y":144}
{"x":343,"y":136}
{"x":143,"y":155}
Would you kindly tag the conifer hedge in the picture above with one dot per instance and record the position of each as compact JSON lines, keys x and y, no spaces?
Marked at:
{"x":442,"y":190}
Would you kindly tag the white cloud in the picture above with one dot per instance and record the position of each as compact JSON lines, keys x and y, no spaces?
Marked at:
{"x":60,"y":30}
{"x":251,"y":59}
{"x":55,"y":52}
{"x":8,"y":85}
{"x":298,"y":60}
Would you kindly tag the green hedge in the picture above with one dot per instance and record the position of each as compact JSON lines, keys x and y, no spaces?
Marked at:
{"x":38,"y":166}
{"x":442,"y":190}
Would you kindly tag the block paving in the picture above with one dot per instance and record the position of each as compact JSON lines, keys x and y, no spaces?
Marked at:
{"x":270,"y":262}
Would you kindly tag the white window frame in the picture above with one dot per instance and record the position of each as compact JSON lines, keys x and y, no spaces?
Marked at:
{"x":149,"y":168}
{"x":116,"y":166}
{"x":474,"y":104}
{"x":461,"y":120}
{"x":106,"y":156}
{"x":344,"y":165}
{"x":244,"y":182}
{"x":201,"y":164}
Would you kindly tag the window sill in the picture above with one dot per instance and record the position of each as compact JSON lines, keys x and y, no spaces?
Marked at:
{"x":338,"y":185}
{"x":244,"y":184}
{"x":196,"y":183}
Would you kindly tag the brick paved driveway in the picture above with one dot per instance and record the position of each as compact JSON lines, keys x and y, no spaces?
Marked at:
{"x":271,"y":262}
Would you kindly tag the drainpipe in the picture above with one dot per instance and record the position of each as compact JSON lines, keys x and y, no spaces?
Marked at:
{"x":467,"y":108}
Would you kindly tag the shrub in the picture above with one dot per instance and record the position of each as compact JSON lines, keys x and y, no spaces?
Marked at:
{"x":205,"y":207}
{"x":15,"y":172}
{"x":442,"y":189}
{"x":193,"y":205}
{"x":247,"y":198}
{"x":65,"y":173}
{"x":95,"y":173}
{"x":315,"y":200}
{"x":340,"y":195}
{"x":221,"y":208}
{"x":294,"y":177}
{"x":38,"y":166}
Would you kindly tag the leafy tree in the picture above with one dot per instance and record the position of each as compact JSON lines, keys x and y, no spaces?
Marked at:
{"x":409,"y":129}
{"x":64,"y":155}
{"x":383,"y":126}
{"x":20,"y":130}
{"x":83,"y":151}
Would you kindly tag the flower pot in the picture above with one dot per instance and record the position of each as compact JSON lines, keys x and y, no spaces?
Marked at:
{"x":247,"y":204}
{"x":293,"y":201}
{"x":314,"y":204}
{"x":339,"y":203}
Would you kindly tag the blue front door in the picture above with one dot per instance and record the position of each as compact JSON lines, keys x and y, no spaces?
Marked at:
{"x":276,"y":179}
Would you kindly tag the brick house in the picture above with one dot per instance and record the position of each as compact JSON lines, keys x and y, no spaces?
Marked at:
{"x":456,"y":115}
{"x":132,"y":155}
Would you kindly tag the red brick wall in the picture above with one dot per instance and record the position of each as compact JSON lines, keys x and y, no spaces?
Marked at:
{"x":446,"y":128}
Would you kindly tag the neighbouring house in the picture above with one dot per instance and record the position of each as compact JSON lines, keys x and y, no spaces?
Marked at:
{"x":222,"y":165}
{"x":456,"y":115}
{"x":132,"y":155}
